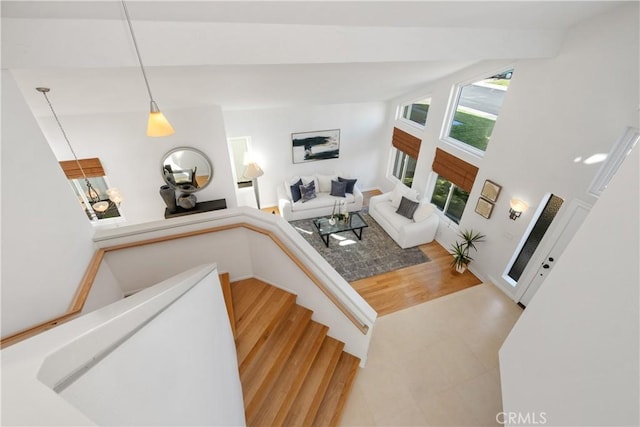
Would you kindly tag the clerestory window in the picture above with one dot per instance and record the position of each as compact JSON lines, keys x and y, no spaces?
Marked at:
{"x":474,"y":113}
{"x":417,"y":112}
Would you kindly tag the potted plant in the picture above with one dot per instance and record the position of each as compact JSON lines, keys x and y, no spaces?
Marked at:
{"x":460,"y":249}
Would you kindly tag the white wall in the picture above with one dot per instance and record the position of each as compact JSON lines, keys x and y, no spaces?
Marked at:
{"x":46,"y":236}
{"x":362,"y":141}
{"x":574,"y":352}
{"x":132,"y":161}
{"x":164,"y":356}
{"x":575,"y":104}
{"x":156,"y":385}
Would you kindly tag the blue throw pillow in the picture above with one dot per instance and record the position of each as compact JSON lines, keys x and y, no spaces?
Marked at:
{"x":295,"y":191}
{"x":350,"y":184}
{"x":308,"y":192}
{"x":338,"y":188}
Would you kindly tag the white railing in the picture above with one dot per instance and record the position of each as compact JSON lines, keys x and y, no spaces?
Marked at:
{"x":134,"y":362}
{"x":245,"y":243}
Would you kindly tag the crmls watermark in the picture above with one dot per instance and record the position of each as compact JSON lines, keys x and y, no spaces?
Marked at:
{"x":522,"y":418}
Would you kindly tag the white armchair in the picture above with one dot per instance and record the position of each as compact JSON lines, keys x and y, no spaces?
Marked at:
{"x":406,"y":232}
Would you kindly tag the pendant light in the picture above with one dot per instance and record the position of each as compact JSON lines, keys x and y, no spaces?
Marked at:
{"x":92,"y":195}
{"x":158,"y":125}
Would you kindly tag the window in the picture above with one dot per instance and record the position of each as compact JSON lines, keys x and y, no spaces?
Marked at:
{"x":103,"y":202}
{"x":455,"y":178}
{"x":476,"y":110}
{"x":404,"y":168}
{"x":417,"y":112}
{"x":407,"y":148}
{"x":450,"y":199}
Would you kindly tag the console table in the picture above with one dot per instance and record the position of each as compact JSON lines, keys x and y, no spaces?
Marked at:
{"x":212,"y":205}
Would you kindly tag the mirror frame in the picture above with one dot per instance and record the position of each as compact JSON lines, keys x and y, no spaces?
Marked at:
{"x":194,"y":150}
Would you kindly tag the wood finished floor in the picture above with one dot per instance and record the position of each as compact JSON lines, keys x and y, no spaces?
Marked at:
{"x":396,"y":290}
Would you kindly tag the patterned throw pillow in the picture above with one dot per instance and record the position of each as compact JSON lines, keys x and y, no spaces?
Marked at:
{"x":295,"y":191}
{"x":308,"y":192}
{"x":407,"y":208}
{"x":350,"y":184}
{"x":338,"y":188}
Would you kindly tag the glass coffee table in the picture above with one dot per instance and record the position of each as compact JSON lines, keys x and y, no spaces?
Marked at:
{"x":354,"y":223}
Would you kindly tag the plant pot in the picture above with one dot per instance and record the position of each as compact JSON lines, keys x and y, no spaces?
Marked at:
{"x":461,"y":268}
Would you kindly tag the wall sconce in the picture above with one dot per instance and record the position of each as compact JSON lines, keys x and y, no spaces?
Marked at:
{"x":516,"y":209}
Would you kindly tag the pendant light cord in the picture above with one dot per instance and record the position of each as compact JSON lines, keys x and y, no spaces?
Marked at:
{"x":90,"y":188}
{"x":135,"y":45}
{"x":64,"y":134}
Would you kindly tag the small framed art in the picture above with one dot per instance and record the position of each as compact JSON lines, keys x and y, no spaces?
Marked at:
{"x":490,"y":191}
{"x":484,"y":208}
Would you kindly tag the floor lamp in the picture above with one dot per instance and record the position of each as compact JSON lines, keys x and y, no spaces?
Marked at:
{"x":253,"y":171}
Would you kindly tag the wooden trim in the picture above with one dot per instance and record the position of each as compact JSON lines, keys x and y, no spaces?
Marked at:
{"x":225,"y":284}
{"x":87,"y":281}
{"x":94,"y":265}
{"x":406,"y":142}
{"x":456,"y":170}
{"x":35,"y":330}
{"x":92,"y":168}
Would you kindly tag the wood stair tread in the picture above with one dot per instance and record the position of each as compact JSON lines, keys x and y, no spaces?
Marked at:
{"x":255,"y":327}
{"x":292,"y":373}
{"x":304,"y":408}
{"x":284,"y":390}
{"x":335,"y":397}
{"x":258,"y":376}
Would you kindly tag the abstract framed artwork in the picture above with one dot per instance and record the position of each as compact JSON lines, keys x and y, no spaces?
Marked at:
{"x":484,"y":207}
{"x":316,"y":145}
{"x":490,"y":191}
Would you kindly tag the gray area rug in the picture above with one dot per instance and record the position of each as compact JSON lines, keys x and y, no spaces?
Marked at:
{"x":356,"y":259}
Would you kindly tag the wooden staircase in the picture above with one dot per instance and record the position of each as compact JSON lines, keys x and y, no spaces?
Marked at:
{"x":292,"y":373}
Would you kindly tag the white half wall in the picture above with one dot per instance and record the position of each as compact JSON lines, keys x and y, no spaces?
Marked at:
{"x":363,"y":141}
{"x":46,"y":237}
{"x":573,"y":354}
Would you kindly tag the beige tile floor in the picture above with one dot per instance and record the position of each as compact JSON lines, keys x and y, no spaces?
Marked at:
{"x":435,"y":364}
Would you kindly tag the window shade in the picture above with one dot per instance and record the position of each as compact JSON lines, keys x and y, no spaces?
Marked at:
{"x":454,"y":169}
{"x":92,"y":168}
{"x":406,"y":143}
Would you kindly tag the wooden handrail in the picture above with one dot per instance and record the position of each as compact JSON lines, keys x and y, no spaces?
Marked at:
{"x":94,"y":265}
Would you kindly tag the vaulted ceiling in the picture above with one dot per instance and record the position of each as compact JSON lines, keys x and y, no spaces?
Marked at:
{"x":261,"y":54}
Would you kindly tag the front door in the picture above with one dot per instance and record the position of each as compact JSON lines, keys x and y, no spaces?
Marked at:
{"x":576,"y":213}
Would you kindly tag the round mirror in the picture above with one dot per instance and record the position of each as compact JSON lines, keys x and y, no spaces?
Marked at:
{"x":187,"y":169}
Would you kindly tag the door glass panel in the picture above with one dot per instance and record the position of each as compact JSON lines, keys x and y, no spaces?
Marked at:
{"x":535,"y":236}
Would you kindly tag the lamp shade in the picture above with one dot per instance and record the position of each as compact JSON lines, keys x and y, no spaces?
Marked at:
{"x":158,"y":125}
{"x":252,"y":170}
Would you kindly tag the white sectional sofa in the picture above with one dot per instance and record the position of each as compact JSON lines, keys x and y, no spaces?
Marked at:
{"x":323,"y":202}
{"x":418,"y":230}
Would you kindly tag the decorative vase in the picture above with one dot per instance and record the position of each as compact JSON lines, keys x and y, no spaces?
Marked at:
{"x":332,"y":221}
{"x":168,"y":194}
{"x":187,"y":200}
